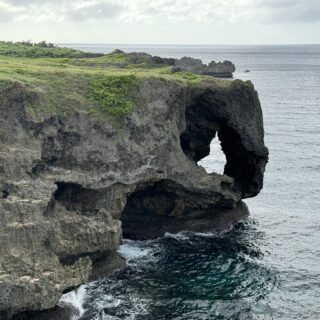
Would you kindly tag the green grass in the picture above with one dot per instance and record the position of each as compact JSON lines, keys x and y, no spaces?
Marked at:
{"x":60,"y":85}
{"x":187,"y":76}
{"x":39,"y":50}
{"x":105,"y":61}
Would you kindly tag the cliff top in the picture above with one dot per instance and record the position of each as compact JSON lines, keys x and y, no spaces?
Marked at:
{"x":63,"y":80}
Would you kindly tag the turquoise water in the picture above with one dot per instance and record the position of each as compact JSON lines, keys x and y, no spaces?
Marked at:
{"x":267,"y":267}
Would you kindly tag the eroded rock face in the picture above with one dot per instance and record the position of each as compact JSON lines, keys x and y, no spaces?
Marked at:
{"x":70,"y":185}
{"x":223,"y":69}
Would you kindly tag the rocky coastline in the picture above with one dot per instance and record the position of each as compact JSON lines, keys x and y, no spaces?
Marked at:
{"x":73,"y":184}
{"x":223,"y":69}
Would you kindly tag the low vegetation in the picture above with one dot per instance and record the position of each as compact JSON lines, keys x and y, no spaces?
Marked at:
{"x":63,"y":80}
{"x":40,"y":50}
{"x":103,"y":61}
{"x":111,"y":94}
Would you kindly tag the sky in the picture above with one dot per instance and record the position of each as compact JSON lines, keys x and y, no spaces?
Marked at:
{"x":162,"y":21}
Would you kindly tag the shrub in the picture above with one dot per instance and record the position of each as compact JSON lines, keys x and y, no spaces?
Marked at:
{"x":112,"y":95}
{"x":40,"y":50}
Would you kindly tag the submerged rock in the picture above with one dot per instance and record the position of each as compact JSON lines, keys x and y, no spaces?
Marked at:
{"x":72,"y":185}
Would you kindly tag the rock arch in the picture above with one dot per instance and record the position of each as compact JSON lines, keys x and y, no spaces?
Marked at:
{"x":212,"y":113}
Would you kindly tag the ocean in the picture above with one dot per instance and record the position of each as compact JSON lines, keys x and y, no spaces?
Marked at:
{"x":266,"y":267}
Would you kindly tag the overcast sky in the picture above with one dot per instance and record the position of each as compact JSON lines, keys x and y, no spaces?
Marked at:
{"x":162,"y":21}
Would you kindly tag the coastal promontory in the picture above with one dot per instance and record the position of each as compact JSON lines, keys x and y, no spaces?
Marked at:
{"x":94,"y":148}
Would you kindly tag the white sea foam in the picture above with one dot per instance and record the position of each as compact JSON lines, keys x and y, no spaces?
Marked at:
{"x":75,"y":299}
{"x":186,"y":235}
{"x":180,"y":236}
{"x":131,"y":250}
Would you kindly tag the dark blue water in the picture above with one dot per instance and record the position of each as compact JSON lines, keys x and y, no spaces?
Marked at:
{"x":267,"y":267}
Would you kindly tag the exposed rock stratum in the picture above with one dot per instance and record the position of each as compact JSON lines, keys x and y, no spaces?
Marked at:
{"x":71,"y":186}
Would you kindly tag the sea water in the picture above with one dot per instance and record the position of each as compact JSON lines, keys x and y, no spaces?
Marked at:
{"x":266,"y":267}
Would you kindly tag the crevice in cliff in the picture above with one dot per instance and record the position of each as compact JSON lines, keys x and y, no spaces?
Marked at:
{"x":4,"y":194}
{"x":201,"y":128}
{"x":76,"y":198}
{"x":56,"y":150}
{"x":38,"y":168}
{"x":241,"y":164}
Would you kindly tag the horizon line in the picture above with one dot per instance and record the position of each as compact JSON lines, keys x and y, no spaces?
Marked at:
{"x":186,"y":44}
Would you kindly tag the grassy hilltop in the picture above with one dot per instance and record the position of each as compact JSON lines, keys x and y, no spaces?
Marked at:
{"x":64,"y":80}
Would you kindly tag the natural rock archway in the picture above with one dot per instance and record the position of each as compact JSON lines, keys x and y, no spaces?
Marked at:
{"x":212,"y":113}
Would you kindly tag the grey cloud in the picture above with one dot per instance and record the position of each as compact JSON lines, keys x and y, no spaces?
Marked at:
{"x":64,"y":9}
{"x":271,"y":11}
{"x":5,"y":16}
{"x":275,"y":3}
{"x":288,"y":11}
{"x":305,"y":15}
{"x":309,"y":15}
{"x":29,"y":3}
{"x":97,"y":11}
{"x":265,"y":11}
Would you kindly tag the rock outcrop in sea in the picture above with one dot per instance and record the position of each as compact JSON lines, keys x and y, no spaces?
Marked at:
{"x":223,"y":69}
{"x":72,"y":185}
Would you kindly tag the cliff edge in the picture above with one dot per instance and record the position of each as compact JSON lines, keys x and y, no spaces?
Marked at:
{"x":89,"y":155}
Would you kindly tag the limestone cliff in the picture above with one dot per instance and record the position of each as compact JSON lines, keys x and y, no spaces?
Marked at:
{"x":72,"y":185}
